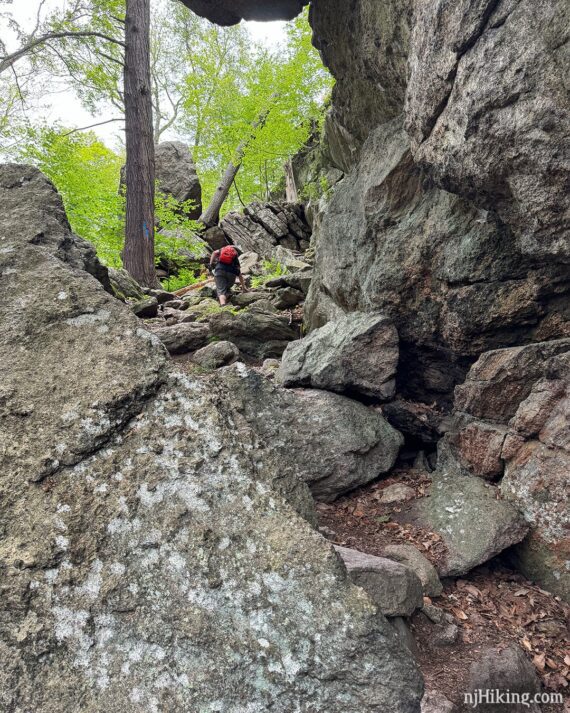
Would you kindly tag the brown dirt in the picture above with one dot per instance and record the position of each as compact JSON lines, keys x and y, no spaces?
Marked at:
{"x":492,"y":605}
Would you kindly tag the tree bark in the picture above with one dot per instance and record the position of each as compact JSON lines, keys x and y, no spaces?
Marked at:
{"x":138,"y":255}
{"x":291,"y":195}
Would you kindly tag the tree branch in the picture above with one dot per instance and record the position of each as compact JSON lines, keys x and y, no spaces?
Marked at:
{"x":7,"y":61}
{"x":91,"y":126}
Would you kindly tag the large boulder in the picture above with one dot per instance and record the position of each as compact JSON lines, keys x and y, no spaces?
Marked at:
{"x":157,"y":566}
{"x":182,"y":338}
{"x":355,"y":354}
{"x":451,"y":276}
{"x":76,"y":364}
{"x":176,"y":175}
{"x":511,"y":423}
{"x":257,"y":334}
{"x":329,"y":441}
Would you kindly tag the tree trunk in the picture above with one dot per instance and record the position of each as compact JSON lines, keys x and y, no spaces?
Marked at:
{"x":211,"y":216}
{"x":138,"y":255}
{"x":291,"y":195}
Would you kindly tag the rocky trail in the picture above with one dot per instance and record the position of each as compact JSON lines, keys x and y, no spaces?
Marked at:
{"x":488,"y":613}
{"x":347,"y":491}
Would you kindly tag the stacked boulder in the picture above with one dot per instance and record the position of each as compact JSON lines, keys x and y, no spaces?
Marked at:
{"x":269,"y":229}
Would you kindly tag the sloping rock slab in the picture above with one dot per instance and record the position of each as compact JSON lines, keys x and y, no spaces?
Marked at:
{"x":474,"y":524}
{"x":393,"y":587}
{"x":75,"y":362}
{"x":160,"y":569}
{"x":331,"y":442}
{"x":357,"y":353}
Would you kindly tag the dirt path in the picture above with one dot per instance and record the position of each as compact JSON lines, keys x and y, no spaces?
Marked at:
{"x":492,"y":605}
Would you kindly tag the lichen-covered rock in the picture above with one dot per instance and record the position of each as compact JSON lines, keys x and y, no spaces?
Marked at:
{"x":489,"y":118}
{"x":355,"y":354}
{"x":124,"y":286}
{"x":157,"y":566}
{"x":75,"y":361}
{"x":474,"y":524}
{"x":452,"y":277}
{"x":329,"y":441}
{"x":394,"y":588}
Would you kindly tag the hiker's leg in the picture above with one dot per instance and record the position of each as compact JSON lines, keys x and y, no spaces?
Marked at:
{"x":222,"y":288}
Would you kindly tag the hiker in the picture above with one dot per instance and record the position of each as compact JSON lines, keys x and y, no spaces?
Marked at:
{"x":225,"y":265}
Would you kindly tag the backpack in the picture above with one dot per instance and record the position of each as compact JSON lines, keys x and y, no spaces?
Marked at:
{"x":228,"y":255}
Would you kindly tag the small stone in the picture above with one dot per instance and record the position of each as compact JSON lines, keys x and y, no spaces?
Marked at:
{"x":397,"y":493}
{"x":413,"y":558}
{"x":435,"y":702}
{"x":393,"y":587}
{"x":145,"y":308}
{"x":504,"y":670}
{"x":287,"y":297}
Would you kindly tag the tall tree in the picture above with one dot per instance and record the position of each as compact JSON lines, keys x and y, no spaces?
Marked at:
{"x":138,"y":254}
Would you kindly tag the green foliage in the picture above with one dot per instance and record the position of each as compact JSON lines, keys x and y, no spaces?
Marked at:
{"x":86,"y":173}
{"x":184,"y":278}
{"x":271,"y":270}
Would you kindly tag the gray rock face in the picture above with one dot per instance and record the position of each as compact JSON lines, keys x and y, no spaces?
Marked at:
{"x":262,"y":227}
{"x":75,"y":361}
{"x":176,"y":174}
{"x":369,"y":62}
{"x":182,"y":337}
{"x":332,"y":443}
{"x":216,"y":355}
{"x":474,"y":525}
{"x":451,"y":277}
{"x":158,"y":566}
{"x":393,"y":587}
{"x":356,"y":354}
{"x":490,"y":121}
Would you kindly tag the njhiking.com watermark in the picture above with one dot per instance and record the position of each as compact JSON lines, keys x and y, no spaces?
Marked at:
{"x":495,"y":696}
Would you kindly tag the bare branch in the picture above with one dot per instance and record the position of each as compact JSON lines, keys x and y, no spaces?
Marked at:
{"x":10,"y":59}
{"x":91,"y":126}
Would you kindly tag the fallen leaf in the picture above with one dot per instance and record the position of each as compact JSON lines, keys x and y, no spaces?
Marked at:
{"x":520,"y":592}
{"x":526,"y":643}
{"x":539,"y":661}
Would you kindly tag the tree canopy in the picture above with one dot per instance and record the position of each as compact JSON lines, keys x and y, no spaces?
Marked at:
{"x":209,"y":87}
